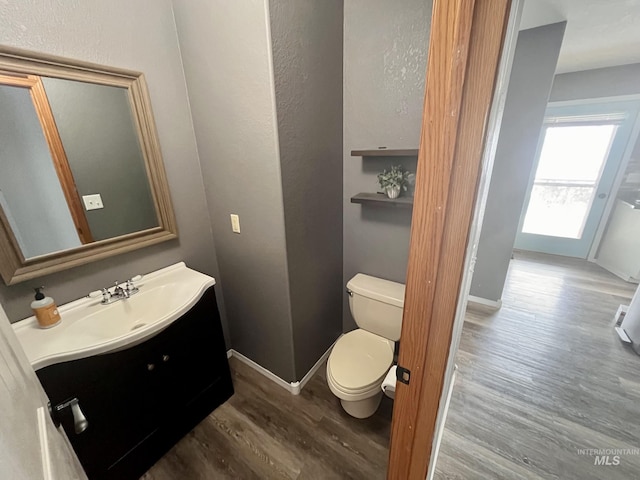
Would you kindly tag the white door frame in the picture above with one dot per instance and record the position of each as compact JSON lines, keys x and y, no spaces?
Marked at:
{"x":35,"y":448}
{"x":624,"y":162}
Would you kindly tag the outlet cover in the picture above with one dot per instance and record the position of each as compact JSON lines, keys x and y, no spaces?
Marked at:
{"x":92,"y":202}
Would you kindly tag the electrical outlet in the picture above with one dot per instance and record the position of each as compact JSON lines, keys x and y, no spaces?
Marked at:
{"x":92,"y":202}
{"x":235,"y":223}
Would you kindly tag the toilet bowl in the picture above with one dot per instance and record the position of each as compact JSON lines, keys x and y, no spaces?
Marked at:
{"x":360,"y":359}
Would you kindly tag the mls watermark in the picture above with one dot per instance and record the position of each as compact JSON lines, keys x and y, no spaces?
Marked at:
{"x":608,"y":456}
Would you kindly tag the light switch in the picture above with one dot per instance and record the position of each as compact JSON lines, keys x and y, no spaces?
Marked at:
{"x":92,"y":202}
{"x":235,"y":223}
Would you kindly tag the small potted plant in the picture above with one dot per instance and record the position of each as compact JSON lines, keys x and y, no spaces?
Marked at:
{"x":394,"y":181}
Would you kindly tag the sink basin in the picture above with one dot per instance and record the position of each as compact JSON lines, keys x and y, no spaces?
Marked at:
{"x":89,"y":328}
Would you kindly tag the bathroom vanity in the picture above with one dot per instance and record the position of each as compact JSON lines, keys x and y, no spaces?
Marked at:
{"x":143,"y":389}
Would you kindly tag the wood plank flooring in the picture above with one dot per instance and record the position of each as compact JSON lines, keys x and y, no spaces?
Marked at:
{"x":543,"y":377}
{"x":264,"y":432}
{"x":537,"y":380}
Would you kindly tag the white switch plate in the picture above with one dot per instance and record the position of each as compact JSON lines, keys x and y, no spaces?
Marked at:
{"x":235,"y":223}
{"x":92,"y":202}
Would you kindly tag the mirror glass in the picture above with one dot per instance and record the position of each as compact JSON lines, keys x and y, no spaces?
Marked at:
{"x":81,"y":171}
{"x":72,"y":169}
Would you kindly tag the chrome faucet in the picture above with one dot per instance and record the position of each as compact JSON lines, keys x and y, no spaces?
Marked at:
{"x":117,"y":292}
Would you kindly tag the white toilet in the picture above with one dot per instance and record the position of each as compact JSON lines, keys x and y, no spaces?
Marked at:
{"x":361,"y":359}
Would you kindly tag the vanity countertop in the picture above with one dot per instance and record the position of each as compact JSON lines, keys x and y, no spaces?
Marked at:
{"x":89,"y":328}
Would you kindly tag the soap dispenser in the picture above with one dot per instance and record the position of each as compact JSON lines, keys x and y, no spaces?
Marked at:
{"x":45,"y":310}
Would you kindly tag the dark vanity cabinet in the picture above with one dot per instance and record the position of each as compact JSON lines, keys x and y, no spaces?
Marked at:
{"x":140,"y":401}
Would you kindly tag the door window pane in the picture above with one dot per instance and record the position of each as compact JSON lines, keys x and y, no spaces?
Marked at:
{"x":569,"y":169}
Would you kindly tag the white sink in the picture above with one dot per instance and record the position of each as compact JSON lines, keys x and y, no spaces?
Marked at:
{"x":89,"y":328}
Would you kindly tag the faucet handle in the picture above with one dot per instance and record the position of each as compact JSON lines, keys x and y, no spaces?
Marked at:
{"x":131,"y":288}
{"x":96,"y":293}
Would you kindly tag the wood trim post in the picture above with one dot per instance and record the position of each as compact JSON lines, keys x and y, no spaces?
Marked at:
{"x":60,"y":160}
{"x":51,"y":135}
{"x":464,"y":52}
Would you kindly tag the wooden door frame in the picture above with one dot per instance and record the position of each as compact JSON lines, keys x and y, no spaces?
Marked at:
{"x":462,"y":72}
{"x":58,"y":155}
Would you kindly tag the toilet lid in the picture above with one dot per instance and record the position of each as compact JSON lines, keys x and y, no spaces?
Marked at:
{"x":360,"y":359}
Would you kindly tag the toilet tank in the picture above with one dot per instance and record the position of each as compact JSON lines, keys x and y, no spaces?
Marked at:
{"x":376,"y":305}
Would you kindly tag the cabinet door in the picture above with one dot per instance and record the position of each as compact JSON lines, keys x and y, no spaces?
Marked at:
{"x":118,"y":395}
{"x":193,"y":355}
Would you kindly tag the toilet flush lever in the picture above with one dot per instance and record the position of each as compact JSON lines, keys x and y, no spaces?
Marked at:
{"x":349,"y":292}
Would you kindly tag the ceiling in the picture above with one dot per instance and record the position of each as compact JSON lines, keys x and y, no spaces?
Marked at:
{"x":600,"y":33}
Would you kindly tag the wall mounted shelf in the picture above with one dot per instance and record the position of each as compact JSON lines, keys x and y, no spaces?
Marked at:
{"x":382,"y":200}
{"x":383,"y":152}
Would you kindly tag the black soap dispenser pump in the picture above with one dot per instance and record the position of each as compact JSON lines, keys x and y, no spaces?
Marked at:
{"x":45,"y":309}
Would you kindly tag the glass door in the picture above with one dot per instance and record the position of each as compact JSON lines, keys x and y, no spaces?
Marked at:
{"x":580,"y":151}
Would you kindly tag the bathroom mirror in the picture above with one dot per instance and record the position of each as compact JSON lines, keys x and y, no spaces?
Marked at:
{"x":81,"y":173}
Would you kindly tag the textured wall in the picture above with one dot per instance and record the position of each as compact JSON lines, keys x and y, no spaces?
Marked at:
{"x":100,"y":140}
{"x":141,"y":36}
{"x":232,"y":95}
{"x":307,"y":60}
{"x":532,"y":73}
{"x":385,"y":57}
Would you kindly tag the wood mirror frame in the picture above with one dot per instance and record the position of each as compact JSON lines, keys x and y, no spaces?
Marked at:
{"x":14,"y":268}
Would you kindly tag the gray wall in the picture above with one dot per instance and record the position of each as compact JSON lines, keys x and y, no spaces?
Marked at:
{"x":100,"y":140}
{"x":307,"y":60}
{"x":532,"y":74}
{"x":600,"y":82}
{"x":30,"y":191}
{"x":140,"y":36}
{"x":385,"y":58}
{"x":231,"y":88}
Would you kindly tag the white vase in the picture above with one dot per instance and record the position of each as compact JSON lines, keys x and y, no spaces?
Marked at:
{"x":392,"y":192}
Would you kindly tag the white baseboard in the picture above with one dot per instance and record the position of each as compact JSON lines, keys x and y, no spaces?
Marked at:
{"x":293,"y":387}
{"x":485,"y":302}
{"x":260,"y":369}
{"x":616,"y":271}
{"x":315,"y":367}
{"x":619,"y":316}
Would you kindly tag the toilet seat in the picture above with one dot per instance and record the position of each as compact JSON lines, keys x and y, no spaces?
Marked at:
{"x":359,"y":362}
